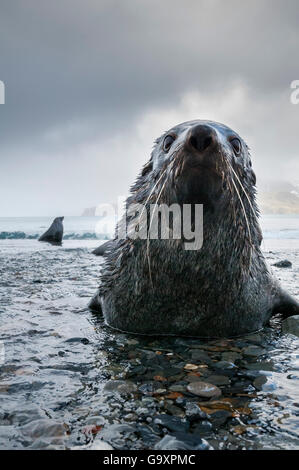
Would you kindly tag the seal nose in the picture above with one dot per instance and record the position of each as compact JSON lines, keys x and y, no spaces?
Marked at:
{"x":201,"y":137}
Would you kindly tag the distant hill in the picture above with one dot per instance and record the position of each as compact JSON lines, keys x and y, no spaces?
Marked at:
{"x":279,"y":198}
{"x":278,"y":203}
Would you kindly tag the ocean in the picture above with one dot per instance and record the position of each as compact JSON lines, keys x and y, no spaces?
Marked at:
{"x":68,"y":381}
{"x":279,"y":227}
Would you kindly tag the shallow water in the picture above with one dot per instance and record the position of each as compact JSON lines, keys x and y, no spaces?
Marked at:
{"x":58,"y":387}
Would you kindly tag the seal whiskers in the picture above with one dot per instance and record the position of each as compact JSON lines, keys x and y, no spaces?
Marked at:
{"x":242,"y":187}
{"x":223,"y":289}
{"x":148,"y":232}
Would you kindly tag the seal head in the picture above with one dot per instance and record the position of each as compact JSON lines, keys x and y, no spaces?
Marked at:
{"x":156,"y":286}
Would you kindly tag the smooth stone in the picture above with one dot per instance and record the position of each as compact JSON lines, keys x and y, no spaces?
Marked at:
{"x":220,"y":417}
{"x":259,"y":382}
{"x":46,"y":444}
{"x":27,"y":415}
{"x":224,"y":365}
{"x":174,"y":443}
{"x":172,"y":423}
{"x":254,"y":338}
{"x":260,"y":366}
{"x":170,"y":371}
{"x":44,"y":428}
{"x":119,"y":386}
{"x":180,"y":401}
{"x":230,"y":356}
{"x":204,"y":389}
{"x":285,"y":263}
{"x":77,"y":339}
{"x":97,"y":420}
{"x":193,"y":378}
{"x":142,"y":411}
{"x":291,"y":325}
{"x":177,"y":388}
{"x":130,"y":417}
{"x":218,"y":380}
{"x":174,"y":410}
{"x":115,"y":434}
{"x":200,"y":356}
{"x":147,"y":435}
{"x":132,"y":342}
{"x":253,"y":351}
{"x":204,"y":427}
{"x":147,"y":388}
{"x":194,"y":413}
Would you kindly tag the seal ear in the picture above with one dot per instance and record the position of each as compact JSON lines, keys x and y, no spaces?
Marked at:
{"x":285,"y":304}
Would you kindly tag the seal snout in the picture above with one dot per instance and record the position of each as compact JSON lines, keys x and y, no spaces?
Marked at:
{"x":202,"y":138}
{"x":202,"y":148}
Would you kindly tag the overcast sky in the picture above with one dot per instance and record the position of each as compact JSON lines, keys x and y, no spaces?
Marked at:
{"x":91,"y":83}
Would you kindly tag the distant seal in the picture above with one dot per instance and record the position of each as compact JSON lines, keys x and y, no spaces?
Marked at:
{"x":54,"y":234}
{"x":224,"y":289}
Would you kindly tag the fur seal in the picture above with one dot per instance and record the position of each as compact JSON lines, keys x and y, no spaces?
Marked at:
{"x":224,"y":289}
{"x":54,"y":234}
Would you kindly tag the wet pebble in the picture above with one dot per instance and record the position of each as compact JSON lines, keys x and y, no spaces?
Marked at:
{"x":230,"y":356}
{"x":204,"y":389}
{"x":177,"y":388}
{"x":219,"y":418}
{"x":97,"y":420}
{"x":77,"y":340}
{"x":200,"y":356}
{"x":259,"y":382}
{"x":218,"y":380}
{"x":253,"y":351}
{"x":130,"y":417}
{"x":194,"y":413}
{"x":174,"y":410}
{"x":119,"y":386}
{"x":224,"y":365}
{"x":114,"y":434}
{"x":291,"y":325}
{"x":172,"y":423}
{"x":259,"y":366}
{"x":193,"y":378}
{"x":285,"y":263}
{"x":26,"y":415}
{"x":203,"y":428}
{"x":44,"y":428}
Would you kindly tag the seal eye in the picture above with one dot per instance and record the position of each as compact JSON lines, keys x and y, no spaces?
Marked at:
{"x":236,"y":144}
{"x":168,"y":141}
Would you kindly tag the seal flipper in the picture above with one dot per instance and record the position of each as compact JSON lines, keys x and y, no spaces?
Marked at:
{"x":95,"y":304}
{"x":102,"y":249}
{"x":285,"y":304}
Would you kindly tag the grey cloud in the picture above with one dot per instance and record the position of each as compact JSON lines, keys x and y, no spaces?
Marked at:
{"x":80,"y":70}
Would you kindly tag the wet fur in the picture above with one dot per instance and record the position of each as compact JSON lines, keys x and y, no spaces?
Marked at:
{"x":223,"y":290}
